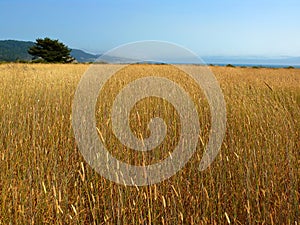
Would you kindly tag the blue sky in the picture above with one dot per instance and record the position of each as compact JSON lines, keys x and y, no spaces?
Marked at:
{"x":209,"y":28}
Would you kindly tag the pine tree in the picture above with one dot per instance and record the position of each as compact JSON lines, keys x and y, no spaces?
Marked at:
{"x":51,"y":51}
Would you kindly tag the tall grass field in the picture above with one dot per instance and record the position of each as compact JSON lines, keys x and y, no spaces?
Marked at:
{"x":44,"y":179}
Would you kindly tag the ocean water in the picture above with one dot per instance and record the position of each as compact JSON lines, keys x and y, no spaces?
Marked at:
{"x":255,"y":65}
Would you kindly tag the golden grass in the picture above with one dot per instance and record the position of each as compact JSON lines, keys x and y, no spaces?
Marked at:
{"x":255,"y":179}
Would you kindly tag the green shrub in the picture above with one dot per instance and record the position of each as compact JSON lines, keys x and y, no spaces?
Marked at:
{"x":290,"y":67}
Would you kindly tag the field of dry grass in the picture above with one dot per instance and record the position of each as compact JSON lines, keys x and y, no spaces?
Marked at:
{"x":255,"y":178}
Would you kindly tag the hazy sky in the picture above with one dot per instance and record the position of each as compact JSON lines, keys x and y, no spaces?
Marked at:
{"x":209,"y":28}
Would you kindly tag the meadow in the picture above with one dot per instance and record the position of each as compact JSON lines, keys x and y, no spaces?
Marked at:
{"x":255,"y":179}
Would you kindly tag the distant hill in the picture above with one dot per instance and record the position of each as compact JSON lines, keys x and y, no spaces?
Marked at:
{"x":11,"y":50}
{"x":15,"y":50}
{"x":82,"y":56}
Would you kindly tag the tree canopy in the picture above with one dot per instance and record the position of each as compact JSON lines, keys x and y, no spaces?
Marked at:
{"x":51,"y":51}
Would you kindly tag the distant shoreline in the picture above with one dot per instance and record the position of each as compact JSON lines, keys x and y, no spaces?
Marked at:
{"x":229,"y":65}
{"x":276,"y":66}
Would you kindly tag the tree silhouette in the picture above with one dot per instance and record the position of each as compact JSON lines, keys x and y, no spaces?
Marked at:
{"x":51,"y":51}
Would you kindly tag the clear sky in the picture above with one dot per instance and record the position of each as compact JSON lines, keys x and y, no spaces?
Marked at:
{"x":209,"y":28}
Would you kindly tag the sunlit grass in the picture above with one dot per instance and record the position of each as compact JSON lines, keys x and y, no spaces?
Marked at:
{"x":253,"y":180}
